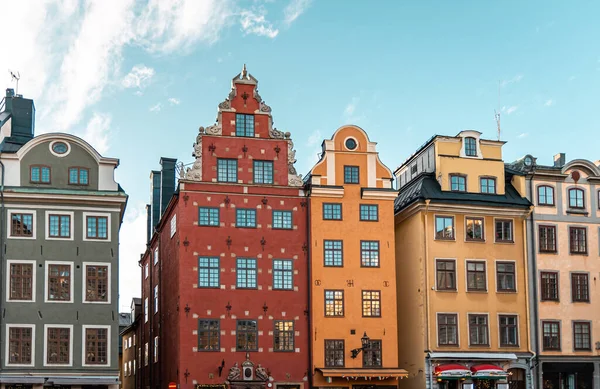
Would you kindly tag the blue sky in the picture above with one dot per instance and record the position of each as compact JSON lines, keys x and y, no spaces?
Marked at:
{"x":137,"y":78}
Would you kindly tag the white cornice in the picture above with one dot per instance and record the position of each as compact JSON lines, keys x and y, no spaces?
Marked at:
{"x":326,"y":192}
{"x":378,"y":194}
{"x":461,"y":210}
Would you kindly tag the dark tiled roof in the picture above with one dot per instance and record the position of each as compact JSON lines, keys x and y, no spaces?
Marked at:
{"x":124,"y":319}
{"x":426,"y":187}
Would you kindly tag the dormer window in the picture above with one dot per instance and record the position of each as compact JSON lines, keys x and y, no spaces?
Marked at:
{"x":40,"y":174}
{"x":458,"y":183}
{"x":244,"y":125}
{"x":488,"y":185}
{"x":78,"y":176}
{"x":470,"y":147}
{"x":576,"y":198}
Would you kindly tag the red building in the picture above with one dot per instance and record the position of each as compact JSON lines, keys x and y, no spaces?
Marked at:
{"x":225,"y":283}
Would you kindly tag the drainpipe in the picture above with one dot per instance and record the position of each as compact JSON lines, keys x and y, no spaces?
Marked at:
{"x":2,"y":243}
{"x":309,"y":293}
{"x":527,"y":291}
{"x":535,"y":284}
{"x":426,"y":291}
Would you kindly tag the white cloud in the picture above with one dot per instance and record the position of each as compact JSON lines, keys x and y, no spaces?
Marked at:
{"x":255,"y":22}
{"x":351,"y":107}
{"x":522,"y":135}
{"x":549,"y":103}
{"x":156,"y":107}
{"x":513,"y":80}
{"x":174,"y":101}
{"x":315,"y":138}
{"x":139,"y":77}
{"x":314,"y":141}
{"x":98,"y":132}
{"x":132,"y":244}
{"x":509,"y":110}
{"x":294,"y":9}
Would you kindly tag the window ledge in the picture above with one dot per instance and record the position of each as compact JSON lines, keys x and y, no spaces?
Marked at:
{"x":506,"y":291}
{"x":575,"y":211}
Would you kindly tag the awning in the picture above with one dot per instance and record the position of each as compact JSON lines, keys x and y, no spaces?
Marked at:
{"x":73,"y":381}
{"x":21,"y":380}
{"x":487,"y":371}
{"x":488,"y":356}
{"x":451,"y":371}
{"x":364,"y":373}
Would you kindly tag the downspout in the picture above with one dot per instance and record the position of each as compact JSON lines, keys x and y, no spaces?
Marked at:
{"x":535,"y":285}
{"x":309,"y":294}
{"x":527,"y":291}
{"x":426,"y":292}
{"x":2,"y":242}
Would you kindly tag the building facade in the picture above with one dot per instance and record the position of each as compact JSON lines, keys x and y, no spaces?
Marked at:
{"x":353,"y":280}
{"x":131,"y":348}
{"x":462,"y":267}
{"x":61,"y":214}
{"x":564,"y":265}
{"x":124,"y":322}
{"x":225,"y":288}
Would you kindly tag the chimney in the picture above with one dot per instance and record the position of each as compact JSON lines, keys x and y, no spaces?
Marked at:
{"x":560,"y":159}
{"x":154,"y":200}
{"x":148,"y":222}
{"x":21,"y":113}
{"x":167,"y":184}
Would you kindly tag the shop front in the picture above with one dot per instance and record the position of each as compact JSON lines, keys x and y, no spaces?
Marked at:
{"x":568,"y":375}
{"x":365,"y":378}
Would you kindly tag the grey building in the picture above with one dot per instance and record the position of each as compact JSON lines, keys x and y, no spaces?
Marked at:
{"x":60,"y":214}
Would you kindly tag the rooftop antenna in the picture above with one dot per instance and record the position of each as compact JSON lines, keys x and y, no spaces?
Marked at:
{"x":15,"y":76}
{"x":497,"y":112}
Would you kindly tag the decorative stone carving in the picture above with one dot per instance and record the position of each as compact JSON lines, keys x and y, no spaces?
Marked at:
{"x":276,"y":134}
{"x":261,"y":373}
{"x":215,"y":129}
{"x":264,"y":107}
{"x":293,"y":178}
{"x":234,"y":373}
{"x":195,"y":173}
{"x":226,"y":104}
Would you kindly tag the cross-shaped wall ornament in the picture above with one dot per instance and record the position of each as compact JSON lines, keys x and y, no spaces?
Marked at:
{"x":245,"y":97}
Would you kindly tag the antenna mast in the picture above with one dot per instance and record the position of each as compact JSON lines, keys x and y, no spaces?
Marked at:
{"x":497,"y":112}
{"x":15,"y":76}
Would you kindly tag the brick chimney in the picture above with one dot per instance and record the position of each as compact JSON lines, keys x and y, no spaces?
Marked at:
{"x":560,"y":160}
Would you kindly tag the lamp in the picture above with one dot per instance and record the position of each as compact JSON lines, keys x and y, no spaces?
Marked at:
{"x":364,"y":342}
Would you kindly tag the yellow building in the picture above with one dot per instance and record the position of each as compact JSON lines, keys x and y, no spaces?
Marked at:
{"x":353,"y":294}
{"x":461,"y":267}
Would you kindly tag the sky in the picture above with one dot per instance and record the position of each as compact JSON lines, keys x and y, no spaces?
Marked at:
{"x":136,"y":78}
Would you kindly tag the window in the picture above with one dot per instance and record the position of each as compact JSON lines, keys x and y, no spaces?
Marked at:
{"x":551,"y":335}
{"x":581,"y":335}
{"x":208,"y":216}
{"x":351,"y":143}
{"x":369,"y":253}
{"x":96,"y":283}
{"x":244,"y":125}
{"x":504,"y":231}
{"x":447,"y":329}
{"x":458,"y":183}
{"x":478,"y":330}
{"x":58,"y":346}
{"x":476,"y":278}
{"x":146,"y":354}
{"x":245,"y":217}
{"x":334,"y":303}
{"x":474,"y":228}
{"x":20,"y":345}
{"x":545,"y":195}
{"x":155,"y":298}
{"x":146,"y":310}
{"x":505,"y":277}
{"x":155,"y":349}
{"x":96,"y":346}
{"x":334,"y":353}
{"x":576,"y":198}
{"x":470,"y":147}
{"x":60,"y":147}
{"x":59,"y":282}
{"x":549,"y":286}
{"x":40,"y":174}
{"x":247,"y":335}
{"x":577,"y":240}
{"x":282,"y":220}
{"x":246,"y":273}
{"x":333,"y":252}
{"x":444,"y":227}
{"x":173,"y":225}
{"x":263,"y":172}
{"x":227,"y":170}
{"x":146,"y":271}
{"x":21,"y":224}
{"x":580,"y":287}
{"x":369,"y":212}
{"x":208,"y":272}
{"x":488,"y":185}
{"x":156,"y":256}
{"x":283,"y":336}
{"x":208,"y":335}
{"x":78,"y":176}
{"x":59,"y":226}
{"x":283,"y":271}
{"x":332,"y":211}
{"x":351,"y":175}
{"x":547,"y":239}
{"x":21,"y":281}
{"x":372,"y":354}
{"x":371,"y":303}
{"x":97,"y":227}
{"x":509,"y":335}
{"x":446,"y":274}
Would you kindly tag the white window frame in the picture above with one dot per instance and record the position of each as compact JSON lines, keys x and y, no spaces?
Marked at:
{"x":437,"y":328}
{"x":488,"y":329}
{"x":9,"y":223}
{"x":108,"y":342}
{"x":173,"y":225}
{"x":108,"y":226}
{"x":487,"y":281}
{"x":155,"y":299}
{"x":84,"y":282}
{"x":7,"y":348}
{"x":33,"y":280}
{"x":71,"y":227}
{"x":71,"y":291}
{"x":455,"y":273}
{"x":70,"y":327}
{"x":129,"y":368}
{"x":155,"y":349}
{"x":496,"y":276}
{"x":146,"y":271}
{"x":155,"y":253}
{"x":146,"y":310}
{"x":518,"y":329}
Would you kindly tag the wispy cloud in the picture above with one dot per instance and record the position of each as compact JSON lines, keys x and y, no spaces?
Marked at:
{"x":174,"y":101}
{"x":139,"y":77}
{"x":509,"y":110}
{"x":255,"y":22}
{"x":522,"y":135}
{"x":98,"y":132}
{"x":549,"y":103}
{"x":294,"y":9}
{"x":156,"y":107}
{"x":513,"y":80}
{"x":314,"y":141}
{"x":351,"y":107}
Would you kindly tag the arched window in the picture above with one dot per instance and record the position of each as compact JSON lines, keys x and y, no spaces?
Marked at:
{"x":470,"y":147}
{"x":545,"y":195}
{"x":576,"y":198}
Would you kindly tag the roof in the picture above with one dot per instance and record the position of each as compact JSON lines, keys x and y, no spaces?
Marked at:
{"x":124,"y":319}
{"x":137,"y":301}
{"x":426,"y":187}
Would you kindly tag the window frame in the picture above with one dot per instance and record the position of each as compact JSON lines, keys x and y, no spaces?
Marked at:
{"x":333,"y":252}
{"x":283,"y":273}
{"x":333,"y":211}
{"x":245,"y":211}
{"x":31,"y":181}
{"x":333,"y":301}
{"x":79,"y":170}
{"x":476,"y":272}
{"x":84,"y":329}
{"x":33,"y":264}
{"x":370,"y":299}
{"x":9,"y":227}
{"x":539,"y":193}
{"x":211,"y":270}
{"x":514,"y":274}
{"x":85,"y":280}
{"x":60,"y":326}
{"x":7,"y":327}
{"x":238,"y":331}
{"x":487,"y":328}
{"x":227,"y":162}
{"x":289,"y":334}
{"x":489,"y":179}
{"x":512,"y":230}
{"x":545,"y":291}
{"x":283,"y":213}
{"x":47,"y":283}
{"x":458,"y":183}
{"x":211,"y":334}
{"x":467,"y":146}
{"x":575,"y":190}
{"x":575,"y":286}
{"x":473,"y":218}
{"x":349,"y":171}
{"x":437,"y":278}
{"x":585,"y":240}
{"x":588,"y":324}
{"x":372,"y":349}
{"x":435,"y":230}
{"x":545,"y":250}
{"x":556,"y":334}
{"x":209,"y":217}
{"x":508,"y":326}
{"x":245,"y":126}
{"x":246,"y":269}
{"x":265,"y":180}
{"x":334,"y":350}
{"x":97,"y":216}
{"x":60,"y":214}
{"x":155,"y":300}
{"x":371,"y":252}
{"x":455,"y":326}
{"x":368,"y":212}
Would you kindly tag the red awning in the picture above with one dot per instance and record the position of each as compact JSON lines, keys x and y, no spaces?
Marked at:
{"x":487,"y":370}
{"x":452,"y":369}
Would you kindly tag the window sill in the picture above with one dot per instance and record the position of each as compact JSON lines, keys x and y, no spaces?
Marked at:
{"x":580,"y":302}
{"x":479,"y":346}
{"x":507,"y":291}
{"x":480,"y":291}
{"x":550,"y":301}
{"x":582,"y":254}
{"x":505,"y":241}
{"x":547,"y":252}
{"x":447,"y":290}
{"x":577,"y":211}
{"x":475,"y":240}
{"x":509,"y":346}
{"x":546,"y":205}
{"x":445,"y":239}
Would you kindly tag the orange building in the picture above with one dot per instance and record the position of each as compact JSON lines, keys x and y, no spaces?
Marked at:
{"x":353,"y":298}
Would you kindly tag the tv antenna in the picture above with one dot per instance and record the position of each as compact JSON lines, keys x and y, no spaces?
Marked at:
{"x":497,"y":112}
{"x":16,"y":76}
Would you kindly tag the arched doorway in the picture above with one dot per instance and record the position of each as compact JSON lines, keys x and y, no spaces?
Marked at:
{"x":516,"y":378}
